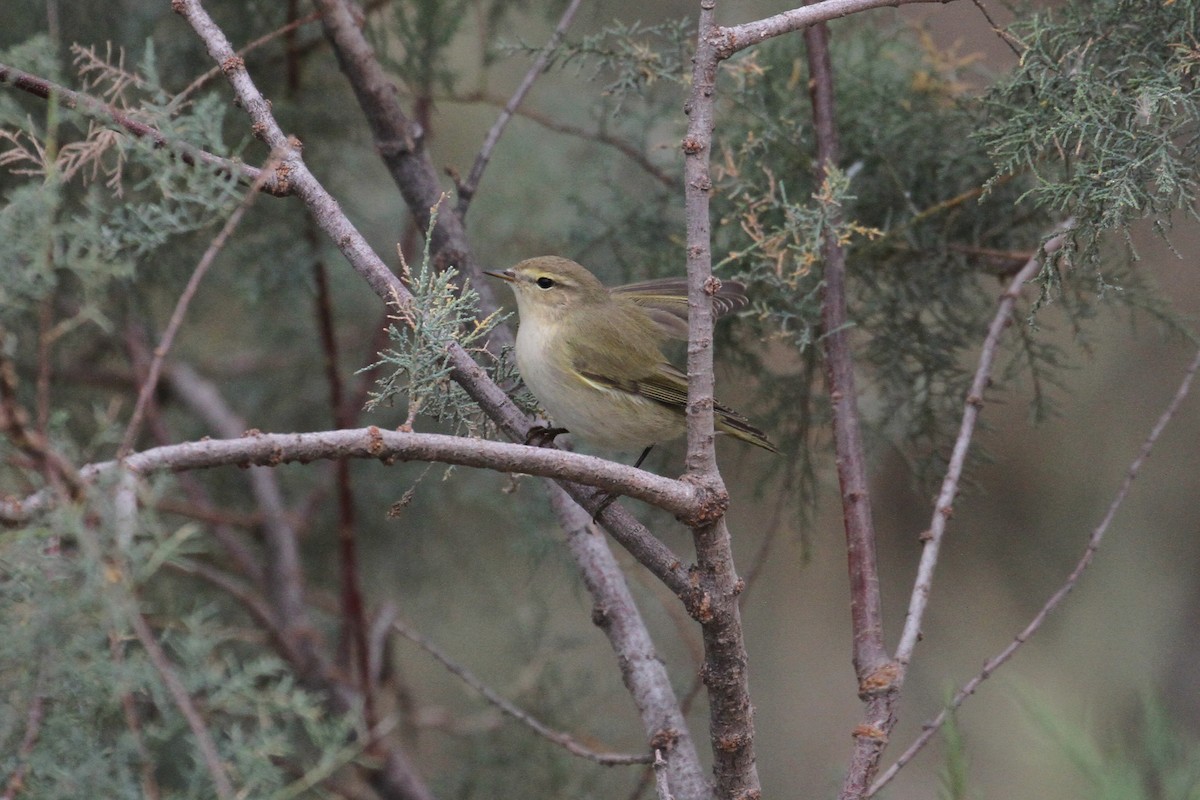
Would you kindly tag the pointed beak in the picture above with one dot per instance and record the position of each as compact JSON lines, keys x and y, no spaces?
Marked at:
{"x":507,"y":275}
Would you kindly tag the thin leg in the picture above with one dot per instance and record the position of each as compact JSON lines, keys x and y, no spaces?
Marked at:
{"x":610,"y":498}
{"x":541,"y":436}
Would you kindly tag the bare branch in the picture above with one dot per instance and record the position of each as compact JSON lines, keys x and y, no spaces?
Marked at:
{"x":944,"y":506}
{"x":560,"y":738}
{"x":930,"y":729}
{"x":96,"y":109}
{"x":642,"y":669}
{"x":467,"y":188}
{"x":715,"y":607}
{"x":870,"y":657}
{"x":272,"y":449}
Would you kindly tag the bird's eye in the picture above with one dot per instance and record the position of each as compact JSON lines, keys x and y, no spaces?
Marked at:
{"x":545,"y":282}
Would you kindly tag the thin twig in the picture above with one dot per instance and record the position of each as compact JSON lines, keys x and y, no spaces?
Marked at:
{"x":560,"y":738}
{"x":1004,"y":35}
{"x":33,"y":729}
{"x":183,"y":701}
{"x":944,"y":506}
{"x":467,"y":188}
{"x":354,"y":620}
{"x":661,"y":788}
{"x":176,"y":322}
{"x":929,"y":729}
{"x":284,"y":30}
{"x":626,"y":148}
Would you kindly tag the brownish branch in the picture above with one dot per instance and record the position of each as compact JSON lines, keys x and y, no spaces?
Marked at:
{"x":871,"y":664}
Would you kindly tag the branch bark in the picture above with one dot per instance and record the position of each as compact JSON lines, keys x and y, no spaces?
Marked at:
{"x":731,"y":715}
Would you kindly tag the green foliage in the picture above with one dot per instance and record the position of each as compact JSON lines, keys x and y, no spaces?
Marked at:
{"x":65,"y":230}
{"x":906,"y":201}
{"x":1103,"y":110}
{"x":1157,"y":759}
{"x":631,"y":57}
{"x":953,"y":776}
{"x":108,"y":723}
{"x":441,"y":314}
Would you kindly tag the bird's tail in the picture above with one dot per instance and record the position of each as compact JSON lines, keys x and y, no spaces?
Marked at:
{"x":729,"y":421}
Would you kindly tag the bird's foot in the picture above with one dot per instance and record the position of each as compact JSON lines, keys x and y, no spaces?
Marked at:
{"x":542,"y":436}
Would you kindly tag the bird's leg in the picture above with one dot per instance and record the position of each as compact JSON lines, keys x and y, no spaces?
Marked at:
{"x":542,"y":436}
{"x":609,"y":497}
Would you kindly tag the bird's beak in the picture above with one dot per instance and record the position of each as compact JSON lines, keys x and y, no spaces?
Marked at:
{"x":507,"y":275}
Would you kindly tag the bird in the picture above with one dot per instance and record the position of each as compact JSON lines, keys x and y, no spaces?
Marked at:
{"x":592,"y":355}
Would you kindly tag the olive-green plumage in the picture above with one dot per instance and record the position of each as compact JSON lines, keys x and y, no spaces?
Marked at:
{"x":593,"y":356}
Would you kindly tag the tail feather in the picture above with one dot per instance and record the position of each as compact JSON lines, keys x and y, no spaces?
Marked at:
{"x":729,"y":421}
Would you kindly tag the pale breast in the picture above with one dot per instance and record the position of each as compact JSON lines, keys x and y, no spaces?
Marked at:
{"x":607,"y":418}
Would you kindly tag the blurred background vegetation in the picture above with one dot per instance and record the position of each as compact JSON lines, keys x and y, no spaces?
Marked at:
{"x":1103,"y":702}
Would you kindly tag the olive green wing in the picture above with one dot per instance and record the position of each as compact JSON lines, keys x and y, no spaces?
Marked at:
{"x":664,"y":300}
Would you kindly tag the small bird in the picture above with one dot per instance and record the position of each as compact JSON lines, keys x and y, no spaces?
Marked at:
{"x":593,"y":356}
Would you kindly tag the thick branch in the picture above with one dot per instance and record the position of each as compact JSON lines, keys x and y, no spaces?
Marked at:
{"x":731,"y":715}
{"x":273,"y":449}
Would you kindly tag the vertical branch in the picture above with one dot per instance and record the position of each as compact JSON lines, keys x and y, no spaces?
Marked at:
{"x":715,"y":604}
{"x":697,"y":151}
{"x":871,"y":664}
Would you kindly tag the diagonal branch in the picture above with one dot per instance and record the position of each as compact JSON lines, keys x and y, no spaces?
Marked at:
{"x":930,"y":729}
{"x":944,"y":506}
{"x":467,"y":189}
{"x":560,"y":738}
{"x":96,"y":109}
